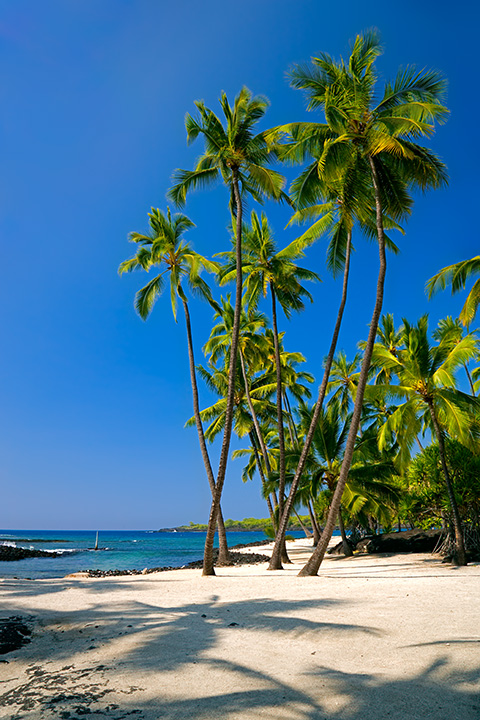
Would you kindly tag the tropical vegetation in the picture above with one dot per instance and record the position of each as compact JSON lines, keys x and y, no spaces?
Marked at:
{"x":392,"y":439}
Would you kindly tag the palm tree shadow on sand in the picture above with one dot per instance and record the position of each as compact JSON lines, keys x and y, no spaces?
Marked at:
{"x":199,"y":660}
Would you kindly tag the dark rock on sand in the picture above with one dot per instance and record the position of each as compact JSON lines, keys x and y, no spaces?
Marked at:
{"x":395,"y":542}
{"x":14,"y":632}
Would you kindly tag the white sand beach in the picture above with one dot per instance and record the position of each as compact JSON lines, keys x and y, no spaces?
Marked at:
{"x":371,"y":638}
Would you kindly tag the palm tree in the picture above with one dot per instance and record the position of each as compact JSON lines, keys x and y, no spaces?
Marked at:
{"x":237,"y":156}
{"x":343,"y":381}
{"x":251,"y":343}
{"x":252,"y":411}
{"x":164,"y":247}
{"x":367,"y":484}
{"x":257,"y":359}
{"x":426,"y":382}
{"x":450,"y":330}
{"x":379,"y":142}
{"x":265,"y":268}
{"x":388,"y":338}
{"x":457,"y":275}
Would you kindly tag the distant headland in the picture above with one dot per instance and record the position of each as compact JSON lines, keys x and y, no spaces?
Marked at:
{"x":245,"y":525}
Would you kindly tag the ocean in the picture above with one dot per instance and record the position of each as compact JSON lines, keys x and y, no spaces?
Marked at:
{"x":118,"y":550}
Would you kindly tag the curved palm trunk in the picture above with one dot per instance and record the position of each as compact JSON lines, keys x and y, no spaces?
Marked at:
{"x":461,"y":557}
{"x":312,"y":566}
{"x":313,"y":520}
{"x":347,"y":550}
{"x":470,"y":381}
{"x":262,"y":476}
{"x":275,"y":562}
{"x":223,"y":553}
{"x":256,"y":424}
{"x":291,"y":424}
{"x":222,"y":467}
{"x":281,"y":434}
{"x":305,"y":529}
{"x":259,"y":437}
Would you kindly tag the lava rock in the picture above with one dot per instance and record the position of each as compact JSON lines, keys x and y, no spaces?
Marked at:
{"x":8,"y":552}
{"x":14,"y":633}
{"x":400,"y":542}
{"x":237,"y":558}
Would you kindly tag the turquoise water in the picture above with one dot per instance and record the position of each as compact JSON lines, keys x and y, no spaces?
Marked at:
{"x":120,"y":550}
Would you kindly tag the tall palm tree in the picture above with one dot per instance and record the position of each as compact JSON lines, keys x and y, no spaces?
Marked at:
{"x":267,"y":269}
{"x":427,"y":384}
{"x":457,"y":275}
{"x":239,"y":157}
{"x":163,"y":247}
{"x":379,"y":141}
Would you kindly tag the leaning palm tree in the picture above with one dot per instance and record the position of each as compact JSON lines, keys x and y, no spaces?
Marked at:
{"x":379,"y":141}
{"x":239,"y":157}
{"x":164,"y":248}
{"x":457,"y":275}
{"x":267,"y":269}
{"x":427,"y":386}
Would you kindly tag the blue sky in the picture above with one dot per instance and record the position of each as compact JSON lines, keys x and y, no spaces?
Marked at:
{"x":93,"y":95}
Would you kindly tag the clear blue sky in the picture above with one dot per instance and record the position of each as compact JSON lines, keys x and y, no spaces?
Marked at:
{"x":93,"y":96}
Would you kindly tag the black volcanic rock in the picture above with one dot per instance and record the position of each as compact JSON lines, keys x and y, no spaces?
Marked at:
{"x":236,"y":557}
{"x":396,"y":542}
{"x":8,"y":552}
{"x":14,"y":632}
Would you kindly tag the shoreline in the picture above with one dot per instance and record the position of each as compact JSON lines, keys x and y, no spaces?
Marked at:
{"x":384,"y":636}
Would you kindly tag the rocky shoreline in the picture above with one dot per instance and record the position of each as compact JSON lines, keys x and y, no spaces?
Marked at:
{"x":237,"y":558}
{"x":10,"y":553}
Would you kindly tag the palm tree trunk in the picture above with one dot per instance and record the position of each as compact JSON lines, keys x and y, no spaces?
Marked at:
{"x":253,"y":413}
{"x":262,"y":477}
{"x":305,"y":529}
{"x":259,"y":436}
{"x":281,"y":435}
{"x":208,"y":568}
{"x":461,"y":557}
{"x":312,"y":566}
{"x":275,"y":561}
{"x":313,"y":519}
{"x":223,"y":553}
{"x":469,"y":379}
{"x":347,"y":550}
{"x":291,"y":424}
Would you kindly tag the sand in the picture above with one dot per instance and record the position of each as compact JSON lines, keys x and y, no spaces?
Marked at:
{"x":371,"y":638}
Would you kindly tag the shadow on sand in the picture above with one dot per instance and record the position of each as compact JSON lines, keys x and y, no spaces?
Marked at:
{"x":59,"y":676}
